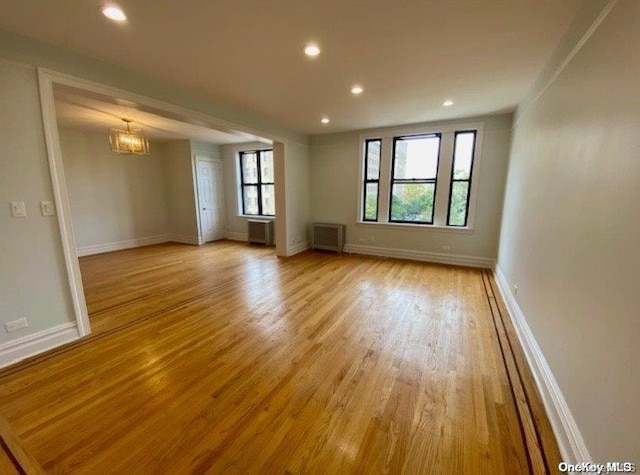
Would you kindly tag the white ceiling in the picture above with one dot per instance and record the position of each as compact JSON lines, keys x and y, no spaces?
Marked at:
{"x":409,"y":55}
{"x":95,"y":113}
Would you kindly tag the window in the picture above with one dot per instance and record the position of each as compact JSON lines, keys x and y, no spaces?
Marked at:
{"x":371,"y":179}
{"x":420,"y":177}
{"x":414,"y":178}
{"x":461,"y":171}
{"x":256,"y":183}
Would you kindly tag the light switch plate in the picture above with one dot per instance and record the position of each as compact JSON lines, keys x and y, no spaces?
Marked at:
{"x":18,"y":209}
{"x":47,"y":208}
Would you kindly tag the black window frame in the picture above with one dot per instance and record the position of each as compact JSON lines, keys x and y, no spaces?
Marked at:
{"x":468,"y":180}
{"x":394,"y":181}
{"x":367,"y":181}
{"x":259,"y":184}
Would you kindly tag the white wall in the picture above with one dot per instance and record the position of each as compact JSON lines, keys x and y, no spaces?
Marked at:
{"x":298,"y":196}
{"x":180,"y":191}
{"x":205,"y":149}
{"x":33,"y":278}
{"x":571,"y":230}
{"x":335,"y":182}
{"x":113,"y":198}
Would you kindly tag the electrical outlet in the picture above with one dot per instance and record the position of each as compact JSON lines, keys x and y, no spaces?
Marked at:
{"x":16,"y":325}
{"x":47,"y":208}
{"x":446,"y":248}
{"x":515,"y":290}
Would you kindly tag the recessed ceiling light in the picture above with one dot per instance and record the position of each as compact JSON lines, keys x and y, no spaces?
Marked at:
{"x":447,"y":103}
{"x":356,"y":90}
{"x":312,"y":50}
{"x":325,"y":120}
{"x":113,"y":12}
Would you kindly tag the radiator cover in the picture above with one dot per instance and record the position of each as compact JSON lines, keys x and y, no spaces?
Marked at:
{"x":329,"y":237}
{"x":260,"y":231}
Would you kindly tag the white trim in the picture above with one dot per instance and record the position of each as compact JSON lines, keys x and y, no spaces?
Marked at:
{"x":186,"y":239}
{"x":231,"y":236}
{"x":570,"y":441}
{"x":46,"y":79}
{"x":171,"y":111}
{"x":453,"y":259}
{"x":120,"y":245}
{"x":30,"y":345}
{"x":417,"y":227}
{"x":256,"y":216}
{"x":63,"y":209}
{"x":298,"y":248}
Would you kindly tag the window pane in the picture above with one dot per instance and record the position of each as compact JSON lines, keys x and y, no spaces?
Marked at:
{"x":463,"y":155}
{"x":249,"y":168}
{"x":250,"y":196}
{"x":458,"y":206}
{"x":373,"y":159}
{"x":266,"y":166}
{"x":371,"y":202}
{"x":416,"y":157}
{"x":412,"y":202}
{"x":268,"y":200}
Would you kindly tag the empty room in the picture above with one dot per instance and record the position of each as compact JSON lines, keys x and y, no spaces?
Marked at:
{"x":319,"y":237}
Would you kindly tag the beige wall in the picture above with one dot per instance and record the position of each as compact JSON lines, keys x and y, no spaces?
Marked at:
{"x":33,"y":278}
{"x":113,"y":198}
{"x":571,"y":230}
{"x":335,"y":178}
{"x":298,"y":196}
{"x":180,"y":190}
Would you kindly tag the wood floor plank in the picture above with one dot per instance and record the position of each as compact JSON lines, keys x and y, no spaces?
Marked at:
{"x":226,"y":359}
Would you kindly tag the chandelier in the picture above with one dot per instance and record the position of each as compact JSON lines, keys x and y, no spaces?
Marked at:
{"x":129,"y":141}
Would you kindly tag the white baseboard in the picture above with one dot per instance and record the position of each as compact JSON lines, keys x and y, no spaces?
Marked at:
{"x":454,"y":259}
{"x":298,"y":248}
{"x":36,"y":343}
{"x":244,"y":237}
{"x":570,"y":441}
{"x":185,"y":239}
{"x":119,"y":245}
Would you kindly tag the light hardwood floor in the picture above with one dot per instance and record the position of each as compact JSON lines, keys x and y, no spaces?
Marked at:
{"x":226,"y":359}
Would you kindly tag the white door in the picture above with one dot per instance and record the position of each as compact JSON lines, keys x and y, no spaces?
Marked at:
{"x":210,"y":199}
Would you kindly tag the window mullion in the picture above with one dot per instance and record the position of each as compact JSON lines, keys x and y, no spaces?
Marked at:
{"x":242,"y":183}
{"x":384,"y":184}
{"x":443,"y":184}
{"x":259,"y":187}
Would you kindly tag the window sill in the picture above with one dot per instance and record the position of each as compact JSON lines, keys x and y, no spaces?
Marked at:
{"x":417,"y":227}
{"x":256,"y":216}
